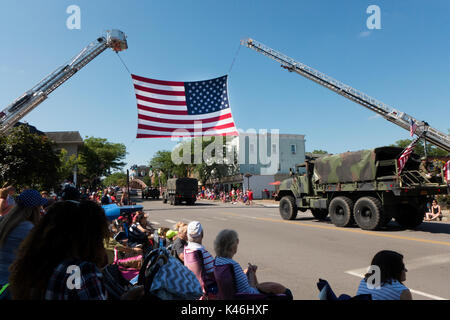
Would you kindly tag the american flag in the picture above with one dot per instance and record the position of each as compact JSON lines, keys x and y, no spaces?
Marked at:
{"x":183,"y":109}
{"x":401,"y":161}
{"x":447,"y":171}
{"x":412,"y":127}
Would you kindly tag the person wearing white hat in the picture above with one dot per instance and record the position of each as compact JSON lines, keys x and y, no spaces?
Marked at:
{"x":206,"y":274}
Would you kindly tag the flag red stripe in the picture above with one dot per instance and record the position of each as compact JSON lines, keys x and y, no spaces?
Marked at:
{"x":177,"y":112}
{"x":166,"y":102}
{"x":158,"y":91}
{"x":141,"y":135}
{"x":160,"y":82}
{"x":214,"y":119}
{"x":147,"y":127}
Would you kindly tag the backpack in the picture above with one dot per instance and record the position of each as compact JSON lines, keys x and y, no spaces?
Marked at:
{"x":116,"y":285}
{"x":164,"y":277}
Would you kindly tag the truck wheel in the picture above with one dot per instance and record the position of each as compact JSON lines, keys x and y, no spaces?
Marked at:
{"x":319,"y":214}
{"x":172,"y":201}
{"x":409,"y":216}
{"x":288,"y":208}
{"x":164,"y":199}
{"x":368,"y":213}
{"x":340,"y":210}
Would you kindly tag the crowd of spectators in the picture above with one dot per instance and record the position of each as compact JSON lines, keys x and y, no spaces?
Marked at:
{"x":234,"y":196}
{"x":43,"y":236}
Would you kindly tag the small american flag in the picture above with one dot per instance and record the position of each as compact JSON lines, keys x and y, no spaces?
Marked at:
{"x":412,"y":127}
{"x":401,"y":161}
{"x":447,"y":171}
{"x":183,"y":109}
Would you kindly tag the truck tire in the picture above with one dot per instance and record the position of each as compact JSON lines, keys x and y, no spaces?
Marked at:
{"x":368,"y":213}
{"x":288,"y":208}
{"x":171,"y":200}
{"x":319,"y":214}
{"x":409,"y":216}
{"x":340,"y":211}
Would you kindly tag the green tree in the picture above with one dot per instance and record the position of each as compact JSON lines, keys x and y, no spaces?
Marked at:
{"x":420,"y":150}
{"x":28,"y":160}
{"x":319,"y":152}
{"x":98,"y":158}
{"x":68,"y":163}
{"x":115,"y":179}
{"x":162,"y":161}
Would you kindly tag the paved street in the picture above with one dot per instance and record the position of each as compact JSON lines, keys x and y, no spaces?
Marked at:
{"x":297,"y":253}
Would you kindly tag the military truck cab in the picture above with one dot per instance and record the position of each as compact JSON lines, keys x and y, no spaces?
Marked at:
{"x":362,"y":187}
{"x":181,"y":190}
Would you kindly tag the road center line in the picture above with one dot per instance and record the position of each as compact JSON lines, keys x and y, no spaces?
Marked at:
{"x":370,"y":233}
{"x":357,"y":273}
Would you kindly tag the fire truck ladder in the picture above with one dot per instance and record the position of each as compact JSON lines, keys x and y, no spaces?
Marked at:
{"x":9,"y":116}
{"x":395,"y":116}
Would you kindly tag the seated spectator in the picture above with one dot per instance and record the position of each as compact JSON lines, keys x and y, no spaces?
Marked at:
{"x":15,"y":227}
{"x":205,"y":271}
{"x":180,"y":242}
{"x":225,"y":246}
{"x":138,"y":233}
{"x":5,"y":207}
{"x":69,"y":236}
{"x":434,"y":213}
{"x":393,"y":274}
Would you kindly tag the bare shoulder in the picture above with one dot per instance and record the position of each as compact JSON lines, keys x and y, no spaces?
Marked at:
{"x":406,"y":295}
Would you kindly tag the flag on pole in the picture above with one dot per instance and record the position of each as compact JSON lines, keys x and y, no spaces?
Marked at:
{"x":401,"y":161}
{"x":183,"y":109}
{"x":447,"y":171}
{"x":412,"y":127}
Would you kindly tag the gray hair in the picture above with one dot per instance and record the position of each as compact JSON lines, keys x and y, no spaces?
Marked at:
{"x":196,"y":239}
{"x":224,"y":242}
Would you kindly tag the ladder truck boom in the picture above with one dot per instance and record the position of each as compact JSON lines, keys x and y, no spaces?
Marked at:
{"x":114,"y":39}
{"x":397,"y":117}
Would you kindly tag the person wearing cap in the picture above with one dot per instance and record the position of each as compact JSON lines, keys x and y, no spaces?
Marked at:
{"x":195,"y":237}
{"x":15,"y":227}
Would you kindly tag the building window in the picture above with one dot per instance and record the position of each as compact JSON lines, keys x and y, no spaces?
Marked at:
{"x":274,"y":148}
{"x":293,"y":149}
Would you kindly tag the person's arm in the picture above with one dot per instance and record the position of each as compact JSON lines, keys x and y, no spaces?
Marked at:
{"x":406,"y":295}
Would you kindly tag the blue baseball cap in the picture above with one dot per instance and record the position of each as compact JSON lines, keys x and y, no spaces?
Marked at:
{"x":31,"y":198}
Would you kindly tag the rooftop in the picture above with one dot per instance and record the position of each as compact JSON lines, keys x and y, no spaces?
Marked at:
{"x":65,"y":137}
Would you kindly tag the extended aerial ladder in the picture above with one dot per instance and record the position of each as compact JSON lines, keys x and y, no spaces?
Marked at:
{"x":9,"y":116}
{"x":395,"y":116}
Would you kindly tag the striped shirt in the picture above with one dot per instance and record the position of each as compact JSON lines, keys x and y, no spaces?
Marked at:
{"x":240,"y":278}
{"x":10,"y":247}
{"x":386,"y":292}
{"x":208,"y":260}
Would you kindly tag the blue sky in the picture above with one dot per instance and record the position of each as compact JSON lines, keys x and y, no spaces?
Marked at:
{"x":406,"y":64}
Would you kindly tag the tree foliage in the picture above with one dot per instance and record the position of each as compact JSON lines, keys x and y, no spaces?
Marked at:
{"x":432,"y":150}
{"x":98,"y":158}
{"x":28,"y":160}
{"x":115,"y":179}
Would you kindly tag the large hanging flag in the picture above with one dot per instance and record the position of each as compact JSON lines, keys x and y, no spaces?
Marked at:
{"x":183,"y":109}
{"x":401,"y":161}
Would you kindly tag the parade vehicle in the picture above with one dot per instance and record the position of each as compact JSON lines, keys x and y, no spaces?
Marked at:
{"x":114,"y":39}
{"x":362,"y":187}
{"x":180,"y":190}
{"x":366,"y":187}
{"x":150,"y":192}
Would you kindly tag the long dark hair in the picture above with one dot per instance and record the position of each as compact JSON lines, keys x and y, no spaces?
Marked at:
{"x":69,"y":230}
{"x":391,"y":266}
{"x":15,"y":216}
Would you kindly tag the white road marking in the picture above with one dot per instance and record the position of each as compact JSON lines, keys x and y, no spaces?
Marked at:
{"x":154,"y":222}
{"x":170,"y":221}
{"x":359,"y":274}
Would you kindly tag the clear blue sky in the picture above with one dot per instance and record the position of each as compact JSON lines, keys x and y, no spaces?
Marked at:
{"x":406,"y":64}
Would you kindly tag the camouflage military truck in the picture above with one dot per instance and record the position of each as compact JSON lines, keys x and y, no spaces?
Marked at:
{"x":361,"y":187}
{"x":179,"y":190}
